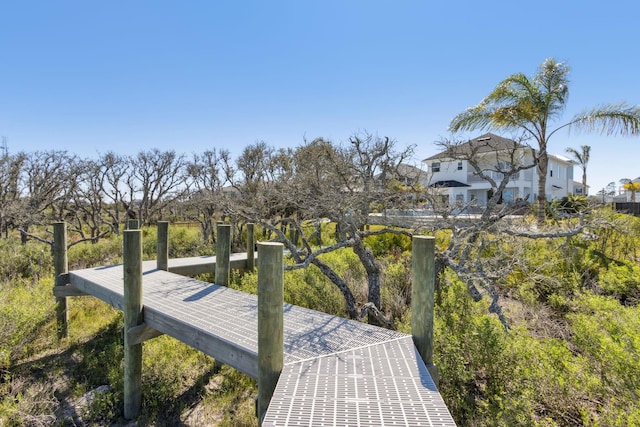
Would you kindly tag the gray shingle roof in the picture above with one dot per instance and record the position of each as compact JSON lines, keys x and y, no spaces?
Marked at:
{"x":482,"y":144}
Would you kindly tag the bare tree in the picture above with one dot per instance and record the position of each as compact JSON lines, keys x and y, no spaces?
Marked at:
{"x":89,"y":201}
{"x":158,"y":178}
{"x":115,"y":170}
{"x":324,"y":180}
{"x":47,"y":185}
{"x":206,"y":179}
{"x":10,"y":171}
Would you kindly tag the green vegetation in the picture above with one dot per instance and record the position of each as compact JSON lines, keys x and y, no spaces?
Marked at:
{"x":571,"y":357}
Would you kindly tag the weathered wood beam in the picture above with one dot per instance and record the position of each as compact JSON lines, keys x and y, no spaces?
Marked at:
{"x":270,"y":321}
{"x":163,"y":246}
{"x":223,"y":253}
{"x":250,"y":247}
{"x":141,"y":333}
{"x":422,"y":299}
{"x":68,"y":291}
{"x":221,"y":349}
{"x":132,"y":257}
{"x":60,"y":266}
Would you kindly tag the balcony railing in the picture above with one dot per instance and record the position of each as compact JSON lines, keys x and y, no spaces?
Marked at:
{"x":497,"y":176}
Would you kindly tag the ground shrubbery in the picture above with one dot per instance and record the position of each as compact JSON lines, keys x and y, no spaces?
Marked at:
{"x":571,"y":357}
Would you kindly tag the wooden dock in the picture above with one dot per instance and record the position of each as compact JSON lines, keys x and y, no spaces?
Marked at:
{"x":336,"y":372}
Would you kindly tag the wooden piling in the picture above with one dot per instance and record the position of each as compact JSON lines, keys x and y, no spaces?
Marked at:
{"x":422,"y":299}
{"x":132,"y":259}
{"x":251,"y":259}
{"x":60,"y":266}
{"x":163,"y":246}
{"x":270,"y":321}
{"x":223,"y":253}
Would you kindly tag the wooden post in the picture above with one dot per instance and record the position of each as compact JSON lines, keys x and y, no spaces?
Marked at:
{"x":251,"y":258}
{"x":422,"y":301}
{"x":60,"y":266}
{"x":223,"y":252}
{"x":132,"y":259}
{"x":270,"y":321}
{"x":163,"y":246}
{"x":133,"y":224}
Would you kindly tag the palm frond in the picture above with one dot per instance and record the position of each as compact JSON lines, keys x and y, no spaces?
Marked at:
{"x":610,"y":119}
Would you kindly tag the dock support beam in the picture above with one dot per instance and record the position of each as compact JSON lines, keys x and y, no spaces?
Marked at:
{"x":163,"y":246}
{"x":251,"y":241}
{"x":422,"y":299}
{"x":270,"y":322}
{"x":60,"y":266}
{"x":223,"y":254}
{"x":132,"y":259}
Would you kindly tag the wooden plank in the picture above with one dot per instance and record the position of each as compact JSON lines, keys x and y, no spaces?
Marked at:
{"x":93,"y":287}
{"x":205,"y":266}
{"x":62,"y":279}
{"x":141,"y":333}
{"x":68,"y":291}
{"x":238,"y":357}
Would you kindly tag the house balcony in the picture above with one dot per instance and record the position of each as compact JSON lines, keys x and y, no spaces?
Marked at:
{"x":526,"y":176}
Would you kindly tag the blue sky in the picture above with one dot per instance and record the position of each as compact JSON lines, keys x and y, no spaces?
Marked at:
{"x":126,"y":76}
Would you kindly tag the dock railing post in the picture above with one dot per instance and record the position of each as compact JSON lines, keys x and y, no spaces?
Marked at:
{"x":132,"y":259}
{"x":270,"y":321}
{"x":60,"y":266}
{"x":251,"y":259}
{"x":223,"y":254}
{"x":422,"y":299}
{"x":163,"y":246}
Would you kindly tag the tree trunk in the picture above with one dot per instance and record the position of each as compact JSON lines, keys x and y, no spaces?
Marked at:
{"x":373,"y":270}
{"x":543,"y":163}
{"x":349,"y":299}
{"x":584,"y":182}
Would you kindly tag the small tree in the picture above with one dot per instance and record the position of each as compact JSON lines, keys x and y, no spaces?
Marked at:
{"x":631,"y":186}
{"x":582,"y":158}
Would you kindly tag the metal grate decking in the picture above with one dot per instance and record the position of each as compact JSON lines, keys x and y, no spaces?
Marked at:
{"x":337,"y":372}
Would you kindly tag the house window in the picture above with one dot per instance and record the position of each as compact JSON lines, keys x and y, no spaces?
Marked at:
{"x":435,"y":167}
{"x":504,"y":166}
{"x":507,"y":196}
{"x":459,"y":166}
{"x":460,"y":198}
{"x":551,"y":173}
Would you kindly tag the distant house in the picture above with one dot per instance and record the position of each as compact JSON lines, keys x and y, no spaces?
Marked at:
{"x":404,"y":174}
{"x":451,"y":172}
{"x":626,"y":195}
{"x":577,"y":189}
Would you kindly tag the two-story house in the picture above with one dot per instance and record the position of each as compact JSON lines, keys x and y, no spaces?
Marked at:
{"x":453,"y":173}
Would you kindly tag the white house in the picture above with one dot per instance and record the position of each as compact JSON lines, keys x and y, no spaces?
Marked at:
{"x":452,"y":172}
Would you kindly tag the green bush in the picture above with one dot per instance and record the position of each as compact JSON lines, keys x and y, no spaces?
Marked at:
{"x":383,"y":244}
{"x":30,"y":262}
{"x":621,"y":281}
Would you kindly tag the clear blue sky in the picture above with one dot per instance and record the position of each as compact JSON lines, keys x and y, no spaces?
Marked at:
{"x":125,"y":76}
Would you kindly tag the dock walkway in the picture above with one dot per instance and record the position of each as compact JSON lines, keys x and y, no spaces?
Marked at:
{"x":337,"y":372}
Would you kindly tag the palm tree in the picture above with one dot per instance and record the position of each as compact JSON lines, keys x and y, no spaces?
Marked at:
{"x":631,"y":186}
{"x":582,"y":158}
{"x":520,"y":103}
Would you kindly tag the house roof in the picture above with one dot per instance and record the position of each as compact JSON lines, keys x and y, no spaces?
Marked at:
{"x":482,"y":144}
{"x":403,"y":170}
{"x":448,"y":184}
